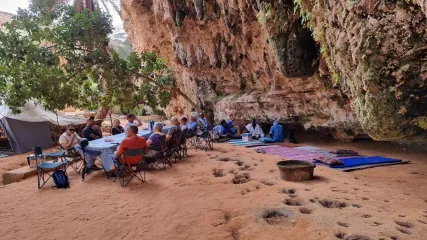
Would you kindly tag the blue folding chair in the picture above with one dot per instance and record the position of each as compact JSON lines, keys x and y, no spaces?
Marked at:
{"x":43,"y":168}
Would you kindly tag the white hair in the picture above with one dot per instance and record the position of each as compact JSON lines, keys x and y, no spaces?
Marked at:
{"x":158,"y":125}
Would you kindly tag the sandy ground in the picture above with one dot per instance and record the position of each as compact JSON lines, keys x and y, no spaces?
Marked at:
{"x":188,"y":202}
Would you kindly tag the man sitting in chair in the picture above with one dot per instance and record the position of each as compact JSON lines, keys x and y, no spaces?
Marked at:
{"x":192,"y":125}
{"x":174,"y":133}
{"x":156,"y":142}
{"x":69,"y":138}
{"x":132,"y":141}
{"x":90,"y":132}
{"x":132,"y":120}
{"x":202,"y":123}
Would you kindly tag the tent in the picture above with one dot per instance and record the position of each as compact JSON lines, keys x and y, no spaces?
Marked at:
{"x":30,"y":128}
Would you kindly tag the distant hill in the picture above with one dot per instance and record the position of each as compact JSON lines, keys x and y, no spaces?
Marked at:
{"x":5,"y":17}
{"x":119,"y":41}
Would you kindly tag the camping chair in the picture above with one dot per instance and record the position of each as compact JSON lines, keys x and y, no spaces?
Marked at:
{"x":43,"y":168}
{"x":86,"y":169}
{"x":131,"y":170}
{"x":172,"y":151}
{"x":191,"y":137}
{"x":162,"y":158}
{"x":182,"y":149}
{"x":205,"y":140}
{"x":73,"y":159}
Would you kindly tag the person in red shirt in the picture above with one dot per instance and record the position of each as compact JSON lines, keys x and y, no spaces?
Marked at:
{"x":131,"y":142}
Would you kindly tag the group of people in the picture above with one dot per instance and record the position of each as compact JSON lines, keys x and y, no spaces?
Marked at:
{"x":158,"y":141}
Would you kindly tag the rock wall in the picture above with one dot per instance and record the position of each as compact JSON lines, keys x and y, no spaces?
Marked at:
{"x":351,"y":67}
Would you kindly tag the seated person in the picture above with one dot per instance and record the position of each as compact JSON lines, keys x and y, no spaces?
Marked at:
{"x":231,"y":127}
{"x":192,"y":125}
{"x":156,"y":142}
{"x":132,"y":120}
{"x":173,"y":137}
{"x":202,"y":123}
{"x":117,"y":129}
{"x":184,"y":121}
{"x":255,"y":130}
{"x":222,"y":129}
{"x":69,"y":138}
{"x":96,"y":127}
{"x":90,"y":132}
{"x":276,"y":133}
{"x":132,"y":141}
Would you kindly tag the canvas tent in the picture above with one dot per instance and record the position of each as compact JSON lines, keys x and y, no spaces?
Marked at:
{"x":30,"y":128}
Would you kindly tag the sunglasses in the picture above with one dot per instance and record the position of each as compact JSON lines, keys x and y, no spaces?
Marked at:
{"x":72,"y":130}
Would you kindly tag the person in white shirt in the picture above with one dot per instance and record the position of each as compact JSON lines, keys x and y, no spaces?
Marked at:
{"x":132,"y":120}
{"x":69,"y":138}
{"x":254,"y":129}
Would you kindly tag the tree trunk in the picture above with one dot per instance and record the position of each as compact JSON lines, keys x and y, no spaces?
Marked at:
{"x":102,"y":112}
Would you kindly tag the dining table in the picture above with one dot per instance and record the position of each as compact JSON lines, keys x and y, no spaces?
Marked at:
{"x":105,"y":147}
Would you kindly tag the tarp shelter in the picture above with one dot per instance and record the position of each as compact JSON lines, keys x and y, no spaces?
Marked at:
{"x":30,"y":128}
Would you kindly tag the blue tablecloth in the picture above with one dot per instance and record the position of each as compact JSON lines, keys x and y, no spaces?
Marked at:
{"x":104,"y":147}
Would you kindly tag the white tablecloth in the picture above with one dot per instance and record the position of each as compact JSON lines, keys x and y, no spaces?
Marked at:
{"x":104,"y":147}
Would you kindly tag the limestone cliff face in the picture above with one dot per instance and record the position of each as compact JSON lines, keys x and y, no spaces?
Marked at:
{"x":352,"y":67}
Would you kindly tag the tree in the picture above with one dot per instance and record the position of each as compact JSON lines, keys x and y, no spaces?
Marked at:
{"x":91,"y":5}
{"x":81,"y":5}
{"x":59,"y":57}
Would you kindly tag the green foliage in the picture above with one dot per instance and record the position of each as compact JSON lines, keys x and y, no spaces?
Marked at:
{"x":60,"y":57}
{"x":304,"y":14}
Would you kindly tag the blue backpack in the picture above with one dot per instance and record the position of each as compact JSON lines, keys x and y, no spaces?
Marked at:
{"x":61,"y":179}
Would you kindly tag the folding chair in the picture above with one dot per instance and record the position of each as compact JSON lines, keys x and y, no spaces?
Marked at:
{"x":86,"y":170}
{"x":73,"y":159}
{"x":205,"y":140}
{"x":182,"y":149}
{"x":43,"y":168}
{"x":162,"y":158}
{"x":172,"y":151}
{"x":131,"y":170}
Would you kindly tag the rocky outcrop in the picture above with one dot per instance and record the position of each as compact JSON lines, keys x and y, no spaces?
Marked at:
{"x":352,"y":67}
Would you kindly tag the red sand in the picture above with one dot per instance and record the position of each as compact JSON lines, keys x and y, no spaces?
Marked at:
{"x":188,"y":202}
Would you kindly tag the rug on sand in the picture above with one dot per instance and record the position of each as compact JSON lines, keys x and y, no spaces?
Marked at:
{"x":358,"y":161}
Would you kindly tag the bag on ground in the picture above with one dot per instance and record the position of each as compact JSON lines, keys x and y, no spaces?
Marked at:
{"x":60,"y":179}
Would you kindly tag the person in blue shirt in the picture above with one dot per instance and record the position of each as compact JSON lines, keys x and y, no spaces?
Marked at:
{"x":192,"y":125}
{"x":202,"y":122}
{"x":277,"y":133}
{"x":222,"y":129}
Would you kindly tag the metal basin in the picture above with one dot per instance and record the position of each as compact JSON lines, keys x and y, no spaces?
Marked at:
{"x":294,"y":170}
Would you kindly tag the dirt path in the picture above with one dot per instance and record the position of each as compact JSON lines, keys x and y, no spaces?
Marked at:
{"x":188,"y":202}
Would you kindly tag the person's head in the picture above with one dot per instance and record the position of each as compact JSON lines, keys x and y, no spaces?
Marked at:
{"x":131,"y":131}
{"x":202,"y":115}
{"x":116,"y":122}
{"x":223,"y":123}
{"x":90,"y":122}
{"x":230,"y":123}
{"x":184,"y":120}
{"x":158,"y":127}
{"x":174,"y":121}
{"x":193,"y":109}
{"x":275,"y":122}
{"x":130,"y":117}
{"x":71,"y":129}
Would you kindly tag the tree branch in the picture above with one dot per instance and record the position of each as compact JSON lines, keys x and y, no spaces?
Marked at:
{"x":169,"y":89}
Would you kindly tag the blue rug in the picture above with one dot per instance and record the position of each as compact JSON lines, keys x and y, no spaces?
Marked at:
{"x":360,"y":161}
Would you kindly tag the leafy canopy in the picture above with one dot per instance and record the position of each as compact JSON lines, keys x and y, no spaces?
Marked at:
{"x":61,"y":58}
